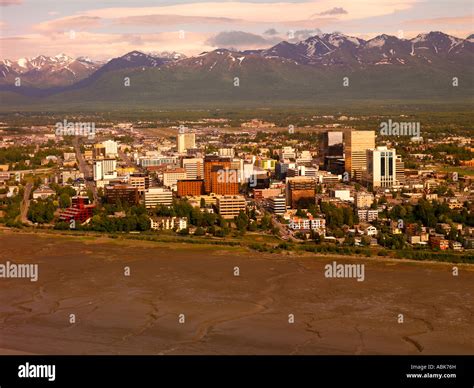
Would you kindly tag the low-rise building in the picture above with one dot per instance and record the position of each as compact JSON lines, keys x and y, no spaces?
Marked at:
{"x":158,"y":196}
{"x":168,"y":223}
{"x":125,"y":194}
{"x":438,"y":241}
{"x":229,"y":206}
{"x":367,"y":215}
{"x":277,"y":205}
{"x":43,"y":192}
{"x":310,"y":223}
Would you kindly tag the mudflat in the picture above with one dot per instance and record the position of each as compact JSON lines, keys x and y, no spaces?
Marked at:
{"x":186,"y":299}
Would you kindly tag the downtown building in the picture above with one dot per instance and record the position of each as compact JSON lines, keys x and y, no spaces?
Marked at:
{"x":210,"y":162}
{"x":186,"y":141}
{"x":300,"y":192}
{"x":121,"y":193}
{"x":158,"y":196}
{"x":356,"y":145}
{"x":224,"y":181}
{"x":381,"y":167}
{"x":190,"y":187}
{"x":105,"y":169}
{"x":229,"y":206}
{"x":140,"y":181}
{"x":194,"y":168}
{"x":277,"y":204}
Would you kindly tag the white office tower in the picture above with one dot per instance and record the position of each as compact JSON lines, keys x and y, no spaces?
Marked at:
{"x":194,"y":168}
{"x":111,"y":148}
{"x":105,"y":169}
{"x":186,"y":141}
{"x":248,"y":171}
{"x":381,"y":167}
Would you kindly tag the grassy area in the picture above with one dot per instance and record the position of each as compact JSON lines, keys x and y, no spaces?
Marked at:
{"x":461,"y":170}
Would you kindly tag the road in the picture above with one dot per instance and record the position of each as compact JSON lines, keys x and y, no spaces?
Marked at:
{"x":86,"y":170}
{"x":25,"y":203}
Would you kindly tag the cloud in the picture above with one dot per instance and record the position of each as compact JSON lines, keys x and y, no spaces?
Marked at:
{"x":172,"y":20}
{"x":334,"y":11}
{"x":296,"y":36}
{"x":239,"y":39}
{"x":6,"y":3}
{"x":76,"y":23}
{"x":271,"y":31}
{"x":102,"y":45}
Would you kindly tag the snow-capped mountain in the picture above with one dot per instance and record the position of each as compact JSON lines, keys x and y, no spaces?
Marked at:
{"x":321,"y":56}
{"x":42,"y":70}
{"x":341,"y":50}
{"x":63,"y":70}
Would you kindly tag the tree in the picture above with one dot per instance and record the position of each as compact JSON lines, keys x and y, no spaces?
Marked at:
{"x":348,"y":214}
{"x":184,"y":232}
{"x":242,"y":221}
{"x":64,"y":200}
{"x":199,"y":232}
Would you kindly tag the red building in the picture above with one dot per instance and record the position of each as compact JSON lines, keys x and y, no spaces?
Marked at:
{"x":210,"y":163}
{"x":80,"y":211}
{"x":190,"y":187}
{"x":224,"y":181}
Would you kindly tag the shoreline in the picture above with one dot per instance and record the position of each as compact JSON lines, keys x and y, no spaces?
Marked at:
{"x":128,"y":240}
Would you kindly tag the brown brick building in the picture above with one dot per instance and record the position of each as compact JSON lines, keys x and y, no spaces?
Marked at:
{"x":224,"y":181}
{"x":190,"y":187}
{"x":210,"y":162}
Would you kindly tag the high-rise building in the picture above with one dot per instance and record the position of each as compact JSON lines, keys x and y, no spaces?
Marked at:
{"x":300,"y":192}
{"x":400,"y":168}
{"x":99,"y":151}
{"x":111,"y":148}
{"x":186,"y":141}
{"x":356,"y":145}
{"x":229,"y":206}
{"x":194,"y":168}
{"x":381,"y":167}
{"x":105,"y":169}
{"x":224,"y":181}
{"x":172,"y":176}
{"x":158,"y":196}
{"x":331,"y":145}
{"x":211,"y":161}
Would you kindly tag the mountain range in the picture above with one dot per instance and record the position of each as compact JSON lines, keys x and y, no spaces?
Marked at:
{"x":383,"y":67}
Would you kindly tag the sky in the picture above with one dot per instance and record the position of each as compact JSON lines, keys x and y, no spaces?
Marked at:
{"x":102,"y":29}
